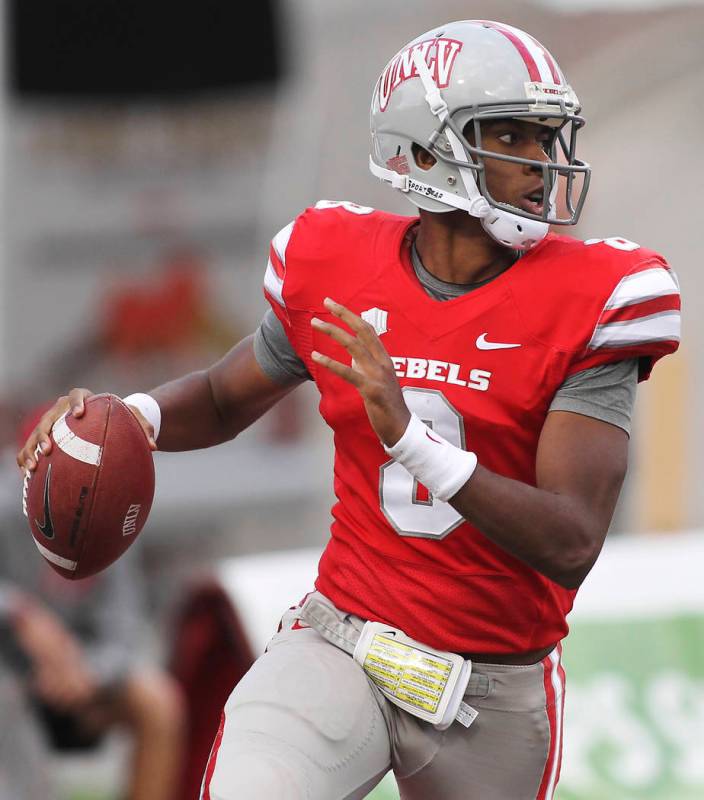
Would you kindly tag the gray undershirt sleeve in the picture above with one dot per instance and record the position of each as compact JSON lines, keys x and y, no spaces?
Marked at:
{"x":275,"y":354}
{"x":607,"y":392}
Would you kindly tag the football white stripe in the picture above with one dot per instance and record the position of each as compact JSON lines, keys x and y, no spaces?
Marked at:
{"x":74,"y":446}
{"x":280,"y":241}
{"x":58,"y":560}
{"x":535,"y":51}
{"x":273,"y":284}
{"x":642,"y":286}
{"x":654,"y":328}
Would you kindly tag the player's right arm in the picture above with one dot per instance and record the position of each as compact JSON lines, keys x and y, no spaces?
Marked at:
{"x":210,"y":407}
{"x":201,"y":409}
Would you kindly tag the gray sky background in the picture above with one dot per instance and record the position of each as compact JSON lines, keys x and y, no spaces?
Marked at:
{"x":587,"y":5}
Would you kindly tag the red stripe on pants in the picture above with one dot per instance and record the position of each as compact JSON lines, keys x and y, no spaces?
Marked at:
{"x":563,"y":681}
{"x":210,"y":769}
{"x":552,"y":712}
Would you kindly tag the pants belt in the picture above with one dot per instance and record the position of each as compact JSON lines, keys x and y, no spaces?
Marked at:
{"x":339,"y":628}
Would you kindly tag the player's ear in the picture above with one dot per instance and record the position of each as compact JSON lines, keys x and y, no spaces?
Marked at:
{"x":422,"y":157}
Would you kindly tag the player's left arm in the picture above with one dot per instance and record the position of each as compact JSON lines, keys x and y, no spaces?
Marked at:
{"x":558,"y":526}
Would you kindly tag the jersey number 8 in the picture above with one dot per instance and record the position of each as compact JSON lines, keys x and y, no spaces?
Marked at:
{"x":410,"y":509}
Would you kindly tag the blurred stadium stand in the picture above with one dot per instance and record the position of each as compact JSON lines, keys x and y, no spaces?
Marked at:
{"x":129,"y":51}
{"x":147,"y":129}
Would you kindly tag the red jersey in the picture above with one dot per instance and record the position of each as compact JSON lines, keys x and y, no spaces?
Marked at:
{"x":481,"y":369}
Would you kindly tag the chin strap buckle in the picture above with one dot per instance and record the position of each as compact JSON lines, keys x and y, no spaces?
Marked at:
{"x":437,"y":105}
{"x":389,"y":176}
{"x":479,"y":207}
{"x":400,"y":182}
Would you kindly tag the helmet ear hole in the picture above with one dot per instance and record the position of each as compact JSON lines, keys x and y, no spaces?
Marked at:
{"x":423,"y":158}
{"x":470,"y":132}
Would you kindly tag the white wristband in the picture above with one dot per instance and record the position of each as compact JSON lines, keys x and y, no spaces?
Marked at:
{"x":440,"y":466}
{"x":149,"y":408}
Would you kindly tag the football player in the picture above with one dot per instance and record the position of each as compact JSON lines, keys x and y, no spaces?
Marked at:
{"x":478,"y":372}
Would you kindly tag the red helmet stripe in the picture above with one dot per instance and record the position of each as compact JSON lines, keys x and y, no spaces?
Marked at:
{"x":551,"y":62}
{"x":524,"y":43}
{"x":533,"y":70}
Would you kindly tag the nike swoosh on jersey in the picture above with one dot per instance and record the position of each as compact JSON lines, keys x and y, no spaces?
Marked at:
{"x":46,"y":527}
{"x":482,"y":344}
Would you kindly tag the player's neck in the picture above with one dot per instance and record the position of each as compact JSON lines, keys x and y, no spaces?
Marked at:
{"x":455,"y":248}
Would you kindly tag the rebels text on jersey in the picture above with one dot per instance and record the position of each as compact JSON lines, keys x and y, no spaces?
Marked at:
{"x":481,"y":369}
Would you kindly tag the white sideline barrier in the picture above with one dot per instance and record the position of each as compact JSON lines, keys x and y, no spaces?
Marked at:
{"x":263,"y":586}
{"x":645,"y":576}
{"x":636,"y":576}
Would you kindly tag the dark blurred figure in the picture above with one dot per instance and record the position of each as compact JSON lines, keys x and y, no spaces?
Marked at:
{"x":23,"y":770}
{"x":75,"y":648}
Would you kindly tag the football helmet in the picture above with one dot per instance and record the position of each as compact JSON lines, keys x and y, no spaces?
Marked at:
{"x":438,"y":90}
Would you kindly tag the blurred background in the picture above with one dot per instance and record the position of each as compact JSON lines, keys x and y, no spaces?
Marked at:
{"x":149,"y":152}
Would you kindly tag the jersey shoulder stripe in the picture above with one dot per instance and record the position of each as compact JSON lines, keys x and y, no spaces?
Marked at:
{"x":643,"y":308}
{"x":647,"y":284}
{"x":276,"y":266}
{"x":663,"y":327}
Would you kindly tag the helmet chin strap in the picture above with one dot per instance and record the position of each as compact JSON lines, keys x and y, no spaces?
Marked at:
{"x":478,"y":205}
{"x":510,"y":230}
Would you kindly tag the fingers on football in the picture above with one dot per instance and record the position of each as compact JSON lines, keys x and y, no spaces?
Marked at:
{"x":345,"y":372}
{"x":76,"y":399}
{"x":39,"y":442}
{"x":147,"y":427}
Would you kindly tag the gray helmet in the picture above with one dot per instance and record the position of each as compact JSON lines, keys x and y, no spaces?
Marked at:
{"x":468,"y":72}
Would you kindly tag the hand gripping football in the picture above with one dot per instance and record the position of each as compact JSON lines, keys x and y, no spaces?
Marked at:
{"x":89,"y":498}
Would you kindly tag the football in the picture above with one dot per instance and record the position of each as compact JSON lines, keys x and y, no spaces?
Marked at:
{"x":90,"y":496}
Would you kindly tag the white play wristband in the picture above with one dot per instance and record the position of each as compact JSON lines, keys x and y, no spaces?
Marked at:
{"x":440,"y":466}
{"x":149,"y":408}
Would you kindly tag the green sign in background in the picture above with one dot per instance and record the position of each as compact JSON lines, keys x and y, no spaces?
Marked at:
{"x":634,"y":720}
{"x":635,"y":710}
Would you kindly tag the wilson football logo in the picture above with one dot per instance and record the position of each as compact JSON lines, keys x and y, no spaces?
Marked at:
{"x":439,"y":55}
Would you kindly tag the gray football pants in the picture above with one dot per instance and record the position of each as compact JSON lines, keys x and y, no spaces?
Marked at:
{"x":305,"y":723}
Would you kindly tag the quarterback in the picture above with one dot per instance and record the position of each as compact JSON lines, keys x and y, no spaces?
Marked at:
{"x":478,"y":370}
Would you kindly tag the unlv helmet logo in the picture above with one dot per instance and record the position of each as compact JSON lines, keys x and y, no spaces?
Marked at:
{"x":439,"y":55}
